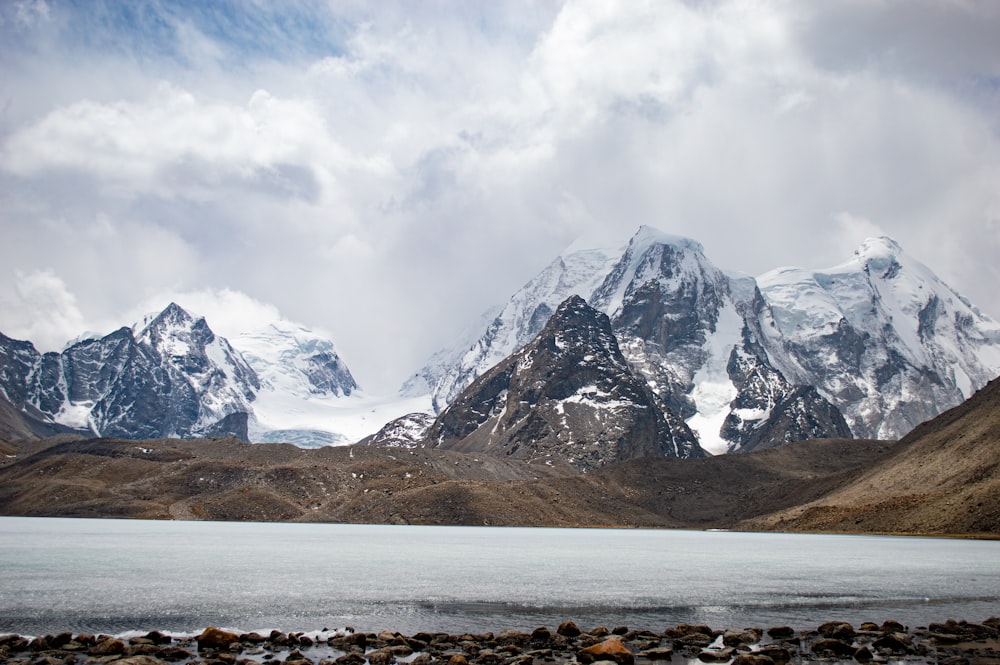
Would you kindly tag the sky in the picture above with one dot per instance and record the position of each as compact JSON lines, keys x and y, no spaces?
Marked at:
{"x":384,"y":172}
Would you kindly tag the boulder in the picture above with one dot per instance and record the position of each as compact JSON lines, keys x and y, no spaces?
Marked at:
{"x":610,"y":649}
{"x":108,"y":646}
{"x":351,"y":658}
{"x":752,"y":659}
{"x":568,"y":629}
{"x":216,"y":638}
{"x":657,"y":653}
{"x":864,"y":655}
{"x":734,"y":638}
{"x":891,"y":626}
{"x":685,"y":630}
{"x":834,"y":647}
{"x":837,"y":630}
{"x":781,"y":632}
{"x":716,"y":656}
{"x":381,"y":657}
{"x":139,"y":660}
{"x":899,"y":643}
{"x":541,"y":635}
{"x":156,"y":637}
{"x":776,"y":653}
{"x":173,"y":653}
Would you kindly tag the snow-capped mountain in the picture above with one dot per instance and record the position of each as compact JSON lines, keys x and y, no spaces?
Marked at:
{"x":882,"y":337}
{"x":691,"y":330}
{"x":870,"y":348}
{"x":568,"y":395}
{"x":170,"y":375}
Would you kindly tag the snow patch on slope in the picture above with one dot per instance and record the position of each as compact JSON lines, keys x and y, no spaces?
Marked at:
{"x":713,"y":389}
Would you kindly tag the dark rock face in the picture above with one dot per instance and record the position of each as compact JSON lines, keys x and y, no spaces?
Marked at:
{"x":569,"y":394}
{"x":175,"y":378}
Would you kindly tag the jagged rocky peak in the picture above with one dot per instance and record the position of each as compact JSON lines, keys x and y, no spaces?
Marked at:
{"x":567,"y":395}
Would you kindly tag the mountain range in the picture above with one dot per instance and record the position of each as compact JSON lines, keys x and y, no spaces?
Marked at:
{"x":606,"y":355}
{"x":867,"y":349}
{"x":168,"y":375}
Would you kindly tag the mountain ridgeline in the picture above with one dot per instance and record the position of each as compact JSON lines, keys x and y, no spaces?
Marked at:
{"x":648,"y":350}
{"x":870,"y":348}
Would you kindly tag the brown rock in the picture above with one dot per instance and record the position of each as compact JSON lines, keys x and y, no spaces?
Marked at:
{"x":381,"y":657}
{"x":891,"y":626}
{"x":833,"y":646}
{"x":139,"y":660}
{"x":351,"y":658}
{"x":837,"y":630}
{"x":216,"y":638}
{"x":864,"y":655}
{"x":541,"y":635}
{"x":713,"y":656}
{"x":108,"y":646}
{"x":752,"y":659}
{"x":610,"y":649}
{"x":895,"y":642}
{"x":458,"y":659}
{"x":40,"y":643}
{"x":568,"y":629}
{"x":173,"y":653}
{"x":781,"y":632}
{"x":733,"y":638}
{"x":684,"y":630}
{"x":657,"y":653}
{"x":776,"y":653}
{"x":252,"y":638}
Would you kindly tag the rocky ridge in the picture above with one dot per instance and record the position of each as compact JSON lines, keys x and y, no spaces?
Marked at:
{"x":567,"y":395}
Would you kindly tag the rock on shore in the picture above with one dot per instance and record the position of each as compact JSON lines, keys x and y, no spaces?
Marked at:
{"x":948,"y":643}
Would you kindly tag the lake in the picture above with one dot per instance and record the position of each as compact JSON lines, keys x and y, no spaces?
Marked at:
{"x":116,"y":576}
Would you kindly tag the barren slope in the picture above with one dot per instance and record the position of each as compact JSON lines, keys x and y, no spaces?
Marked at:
{"x":944,"y":478}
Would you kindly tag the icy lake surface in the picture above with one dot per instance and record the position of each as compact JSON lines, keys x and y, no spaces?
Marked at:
{"x":116,"y":576}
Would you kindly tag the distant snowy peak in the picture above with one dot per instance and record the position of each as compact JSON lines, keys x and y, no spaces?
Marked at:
{"x":293,"y":359}
{"x":883,"y":336}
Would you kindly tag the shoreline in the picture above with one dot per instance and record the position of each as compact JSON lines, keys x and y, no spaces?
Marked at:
{"x":948,"y":642}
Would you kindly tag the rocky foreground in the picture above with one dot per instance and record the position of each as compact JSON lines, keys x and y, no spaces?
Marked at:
{"x":950,"y":643}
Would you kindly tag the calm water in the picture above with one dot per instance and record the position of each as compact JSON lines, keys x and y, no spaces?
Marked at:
{"x":116,"y":576}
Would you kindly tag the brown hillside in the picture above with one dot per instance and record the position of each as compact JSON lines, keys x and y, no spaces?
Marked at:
{"x":944,"y":478}
{"x":229,"y":480}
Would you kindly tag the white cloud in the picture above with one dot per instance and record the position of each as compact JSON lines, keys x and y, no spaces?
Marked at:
{"x":43,"y":310}
{"x":392,"y":182}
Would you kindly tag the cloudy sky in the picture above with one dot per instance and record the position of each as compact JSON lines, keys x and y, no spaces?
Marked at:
{"x":384,"y":171}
